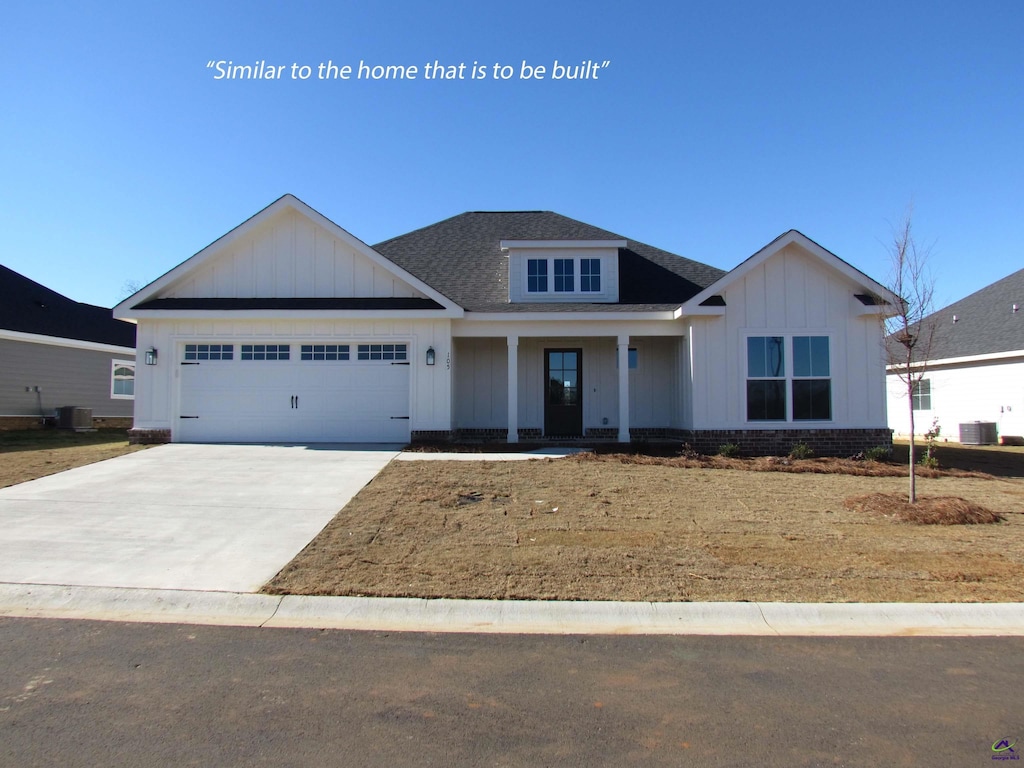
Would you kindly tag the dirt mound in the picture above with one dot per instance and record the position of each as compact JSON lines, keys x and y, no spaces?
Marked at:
{"x":936,"y":510}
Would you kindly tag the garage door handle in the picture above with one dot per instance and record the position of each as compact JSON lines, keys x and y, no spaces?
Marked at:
{"x":405,"y":363}
{"x":188,"y":417}
{"x":400,"y":418}
{"x":190,"y":363}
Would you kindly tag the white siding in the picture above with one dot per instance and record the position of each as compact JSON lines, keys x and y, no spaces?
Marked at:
{"x":792,"y":292}
{"x":961,"y":394}
{"x":290,"y":256}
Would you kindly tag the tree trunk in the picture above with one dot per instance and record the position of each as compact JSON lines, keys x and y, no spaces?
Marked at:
{"x":913,"y":477}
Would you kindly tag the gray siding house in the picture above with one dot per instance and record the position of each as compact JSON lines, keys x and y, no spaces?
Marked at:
{"x":56,"y":352}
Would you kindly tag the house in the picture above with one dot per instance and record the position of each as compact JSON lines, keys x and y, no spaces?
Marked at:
{"x":975,"y":370}
{"x":505,"y":326}
{"x":56,"y":352}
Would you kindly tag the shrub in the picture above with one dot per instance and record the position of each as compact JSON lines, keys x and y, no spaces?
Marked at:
{"x":801,"y":451}
{"x":878,"y":453}
{"x":729,"y":450}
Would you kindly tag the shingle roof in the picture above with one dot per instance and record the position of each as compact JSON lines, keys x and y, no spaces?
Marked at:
{"x":985,"y":322}
{"x":28,"y":307}
{"x":461,"y":258}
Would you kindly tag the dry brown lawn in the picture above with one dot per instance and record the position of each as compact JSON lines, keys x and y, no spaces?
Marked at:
{"x":26,"y":455}
{"x":628,"y":528}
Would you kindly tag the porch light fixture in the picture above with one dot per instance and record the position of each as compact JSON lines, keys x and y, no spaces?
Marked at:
{"x":431,"y":357}
{"x":151,"y":356}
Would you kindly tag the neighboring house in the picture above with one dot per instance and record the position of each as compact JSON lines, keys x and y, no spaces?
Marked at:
{"x":505,"y":326}
{"x":975,"y":370}
{"x":56,"y":352}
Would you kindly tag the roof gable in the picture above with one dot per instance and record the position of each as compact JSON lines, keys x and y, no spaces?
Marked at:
{"x":708,"y":301}
{"x":28,"y":307}
{"x":287,"y":251}
{"x":462,"y":258}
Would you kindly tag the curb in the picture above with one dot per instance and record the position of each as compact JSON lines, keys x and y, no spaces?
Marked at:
{"x":512,"y":617}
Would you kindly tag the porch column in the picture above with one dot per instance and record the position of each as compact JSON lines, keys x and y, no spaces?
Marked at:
{"x":513,"y":389}
{"x":623,"y":355}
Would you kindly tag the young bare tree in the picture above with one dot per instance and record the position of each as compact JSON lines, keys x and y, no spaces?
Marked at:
{"x":910,"y":329}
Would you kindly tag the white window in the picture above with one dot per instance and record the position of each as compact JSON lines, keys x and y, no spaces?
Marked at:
{"x":921,"y":396}
{"x":209,"y":351}
{"x":383,"y":352}
{"x":122,"y":379}
{"x":266,"y":352}
{"x":788,"y":378}
{"x":325,"y":352}
{"x":563,"y":272}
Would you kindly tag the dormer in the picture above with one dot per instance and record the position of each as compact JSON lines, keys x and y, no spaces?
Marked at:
{"x":583,"y":271}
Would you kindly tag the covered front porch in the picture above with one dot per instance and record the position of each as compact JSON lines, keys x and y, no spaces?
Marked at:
{"x":519,"y":386}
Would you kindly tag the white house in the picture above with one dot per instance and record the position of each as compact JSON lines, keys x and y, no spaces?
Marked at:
{"x":505,"y":326}
{"x":975,"y":370}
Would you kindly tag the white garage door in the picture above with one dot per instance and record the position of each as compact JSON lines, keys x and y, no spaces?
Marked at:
{"x":298,"y":392}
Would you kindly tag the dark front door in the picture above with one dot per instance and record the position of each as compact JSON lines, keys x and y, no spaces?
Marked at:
{"x":563,"y":406}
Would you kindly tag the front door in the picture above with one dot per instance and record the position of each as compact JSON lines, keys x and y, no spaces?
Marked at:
{"x":563,"y":405}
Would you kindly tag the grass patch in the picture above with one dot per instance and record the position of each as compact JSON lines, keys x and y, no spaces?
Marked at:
{"x":29,"y":454}
{"x":628,"y":527}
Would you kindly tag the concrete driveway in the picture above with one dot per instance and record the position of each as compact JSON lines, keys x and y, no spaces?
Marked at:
{"x":192,"y":517}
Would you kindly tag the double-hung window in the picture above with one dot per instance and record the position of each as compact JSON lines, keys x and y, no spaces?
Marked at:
{"x":565,"y":276}
{"x":921,"y":395}
{"x":788,"y":378}
{"x":537,"y":275}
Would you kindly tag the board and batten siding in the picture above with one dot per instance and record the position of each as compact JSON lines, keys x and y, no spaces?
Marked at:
{"x":65,"y":376}
{"x":158,"y":390}
{"x":791,"y":293}
{"x":290,"y":256}
{"x":481,"y":382}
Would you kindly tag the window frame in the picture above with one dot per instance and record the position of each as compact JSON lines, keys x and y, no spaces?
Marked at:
{"x":917,"y":397}
{"x":788,"y":380}
{"x":114,"y":365}
{"x":553,"y":279}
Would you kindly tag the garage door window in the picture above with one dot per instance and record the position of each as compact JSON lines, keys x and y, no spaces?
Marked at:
{"x":383,"y":351}
{"x":325,"y":352}
{"x":209,"y":351}
{"x":266,"y":351}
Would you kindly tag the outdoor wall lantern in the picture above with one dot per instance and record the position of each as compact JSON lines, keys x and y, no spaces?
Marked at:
{"x":151,"y":356}
{"x":430,"y":356}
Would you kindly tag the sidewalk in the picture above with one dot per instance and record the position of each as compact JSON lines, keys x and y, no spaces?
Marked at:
{"x":512,"y":617}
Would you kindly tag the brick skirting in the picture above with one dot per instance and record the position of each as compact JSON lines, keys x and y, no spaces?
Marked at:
{"x":149,"y":436}
{"x":777,"y":442}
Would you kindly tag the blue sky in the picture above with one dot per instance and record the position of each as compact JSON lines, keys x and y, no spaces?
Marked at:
{"x":715,"y":127}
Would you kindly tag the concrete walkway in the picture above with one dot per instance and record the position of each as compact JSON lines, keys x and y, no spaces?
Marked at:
{"x":179,"y":517}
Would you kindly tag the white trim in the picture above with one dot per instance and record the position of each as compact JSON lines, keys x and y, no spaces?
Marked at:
{"x":114,"y":364}
{"x":506,"y":245}
{"x":59,"y":341}
{"x":295,"y":314}
{"x":991,"y":357}
{"x":567,"y":316}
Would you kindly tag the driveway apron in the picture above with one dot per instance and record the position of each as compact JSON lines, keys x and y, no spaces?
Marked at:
{"x":195,"y":517}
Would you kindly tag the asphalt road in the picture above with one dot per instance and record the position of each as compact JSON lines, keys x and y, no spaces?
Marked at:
{"x":79,"y":693}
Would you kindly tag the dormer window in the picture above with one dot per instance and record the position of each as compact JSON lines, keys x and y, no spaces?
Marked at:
{"x":563,"y":270}
{"x":563,"y":275}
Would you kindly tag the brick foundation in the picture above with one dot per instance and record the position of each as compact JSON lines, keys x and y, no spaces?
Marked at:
{"x":149,"y":436}
{"x":778,"y":442}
